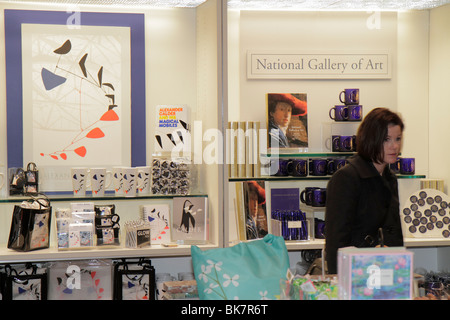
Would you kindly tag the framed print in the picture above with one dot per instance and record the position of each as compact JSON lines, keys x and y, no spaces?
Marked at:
{"x":75,"y":92}
{"x":190,"y":220}
{"x":287,"y":116}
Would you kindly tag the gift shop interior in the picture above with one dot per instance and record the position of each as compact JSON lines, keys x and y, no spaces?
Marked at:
{"x":181,"y":150}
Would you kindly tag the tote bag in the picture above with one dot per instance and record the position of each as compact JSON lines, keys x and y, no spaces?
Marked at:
{"x":247,"y":271}
{"x":26,"y":284}
{"x":30,"y":225}
{"x":134,"y":280}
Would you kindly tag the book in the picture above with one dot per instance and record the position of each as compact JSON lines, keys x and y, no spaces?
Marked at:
{"x":172,"y":128}
{"x":284,"y":199}
{"x":375,"y":273}
{"x":256,"y":149}
{"x":240,"y":213}
{"x":232,"y":148}
{"x":241,"y":151}
{"x":249,"y":145}
{"x":190,"y":220}
{"x":287,"y":120}
{"x":243,"y":148}
{"x":254,"y":196}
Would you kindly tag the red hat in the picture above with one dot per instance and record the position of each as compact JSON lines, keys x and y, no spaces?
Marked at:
{"x":259,"y":190}
{"x":299,"y":107}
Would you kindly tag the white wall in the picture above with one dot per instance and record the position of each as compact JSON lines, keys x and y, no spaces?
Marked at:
{"x":439,"y":93}
{"x":412,"y":89}
{"x":309,"y":32}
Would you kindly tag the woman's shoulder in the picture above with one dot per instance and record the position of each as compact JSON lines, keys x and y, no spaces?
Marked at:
{"x":347,"y":175}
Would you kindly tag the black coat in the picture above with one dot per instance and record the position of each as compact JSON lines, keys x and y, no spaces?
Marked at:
{"x":359,"y":202}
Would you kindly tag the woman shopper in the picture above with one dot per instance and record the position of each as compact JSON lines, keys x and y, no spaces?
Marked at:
{"x":362,"y":208}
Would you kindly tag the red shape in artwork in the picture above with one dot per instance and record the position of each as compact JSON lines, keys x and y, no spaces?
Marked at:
{"x":63,"y":155}
{"x":95,"y":133}
{"x":54,"y":157}
{"x":109,"y":115}
{"x":81,"y":151}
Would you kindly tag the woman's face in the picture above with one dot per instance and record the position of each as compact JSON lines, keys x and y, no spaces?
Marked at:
{"x":282,"y":114}
{"x":253,"y":202}
{"x":392,"y":144}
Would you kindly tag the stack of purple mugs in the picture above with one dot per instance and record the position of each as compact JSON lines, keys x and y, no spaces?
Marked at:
{"x":351,"y":110}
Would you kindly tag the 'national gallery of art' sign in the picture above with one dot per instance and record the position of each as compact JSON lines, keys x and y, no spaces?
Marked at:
{"x":291,"y":65}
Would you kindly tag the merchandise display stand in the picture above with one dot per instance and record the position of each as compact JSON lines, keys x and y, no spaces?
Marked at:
{"x":204,"y":70}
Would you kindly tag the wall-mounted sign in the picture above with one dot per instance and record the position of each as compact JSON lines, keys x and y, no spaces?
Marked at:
{"x":292,"y":65}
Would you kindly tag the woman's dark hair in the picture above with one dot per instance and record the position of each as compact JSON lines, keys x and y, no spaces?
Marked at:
{"x":373,"y":131}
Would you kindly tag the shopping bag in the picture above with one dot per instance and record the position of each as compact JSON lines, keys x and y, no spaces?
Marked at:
{"x":32,"y":179}
{"x":24,"y":181}
{"x":17,"y":181}
{"x":134,"y":280}
{"x":30,"y":225}
{"x":80,"y":280}
{"x":247,"y":271}
{"x":29,"y":283}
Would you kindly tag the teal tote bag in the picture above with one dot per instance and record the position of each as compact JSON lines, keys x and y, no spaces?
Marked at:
{"x":247,"y":271}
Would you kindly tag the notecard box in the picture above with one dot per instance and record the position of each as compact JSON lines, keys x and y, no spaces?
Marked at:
{"x":375,"y":273}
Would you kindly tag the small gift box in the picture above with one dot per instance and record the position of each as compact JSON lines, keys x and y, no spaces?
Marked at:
{"x":375,"y":273}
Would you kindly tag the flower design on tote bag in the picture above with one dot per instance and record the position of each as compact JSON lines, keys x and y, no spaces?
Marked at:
{"x":210,"y":274}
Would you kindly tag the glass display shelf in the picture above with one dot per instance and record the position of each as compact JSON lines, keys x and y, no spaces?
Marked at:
{"x":53,"y":254}
{"x":314,"y":244}
{"x":107,"y":196}
{"x":309,"y":178}
{"x":307,"y":155}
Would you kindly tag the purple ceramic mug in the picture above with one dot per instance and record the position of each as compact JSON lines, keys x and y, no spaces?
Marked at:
{"x":350,"y":96}
{"x":407,"y":165}
{"x":319,"y":197}
{"x":299,"y":168}
{"x":354,"y":112}
{"x":319,"y":167}
{"x":346,"y":144}
{"x":340,"y":113}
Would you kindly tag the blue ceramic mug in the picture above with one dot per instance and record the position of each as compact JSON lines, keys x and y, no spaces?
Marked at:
{"x":339,"y":113}
{"x":354,"y":112}
{"x":335,"y":143}
{"x":283,"y":165}
{"x":298,"y":168}
{"x":319,"y":167}
{"x":306,"y":196}
{"x":331,"y":166}
{"x":339,"y":163}
{"x":349,"y":96}
{"x":346,"y":143}
{"x":407,"y":165}
{"x":319,"y":197}
{"x":395,"y":167}
{"x":335,"y":164}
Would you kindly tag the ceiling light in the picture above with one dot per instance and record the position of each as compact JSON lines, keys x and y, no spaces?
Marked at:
{"x":123,"y":3}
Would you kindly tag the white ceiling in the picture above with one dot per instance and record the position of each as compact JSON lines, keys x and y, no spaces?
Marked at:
{"x":367,"y":5}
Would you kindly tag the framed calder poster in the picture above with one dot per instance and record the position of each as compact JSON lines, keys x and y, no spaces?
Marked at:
{"x":75,"y":91}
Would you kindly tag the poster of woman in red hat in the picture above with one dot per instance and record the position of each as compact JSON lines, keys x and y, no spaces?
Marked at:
{"x":287,"y":120}
{"x":255,"y":209}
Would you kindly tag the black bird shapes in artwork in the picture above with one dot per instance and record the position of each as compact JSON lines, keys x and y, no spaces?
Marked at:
{"x":187,"y":216}
{"x":64,"y":49}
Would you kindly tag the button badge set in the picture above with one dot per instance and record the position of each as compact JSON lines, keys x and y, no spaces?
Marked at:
{"x":426,"y":215}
